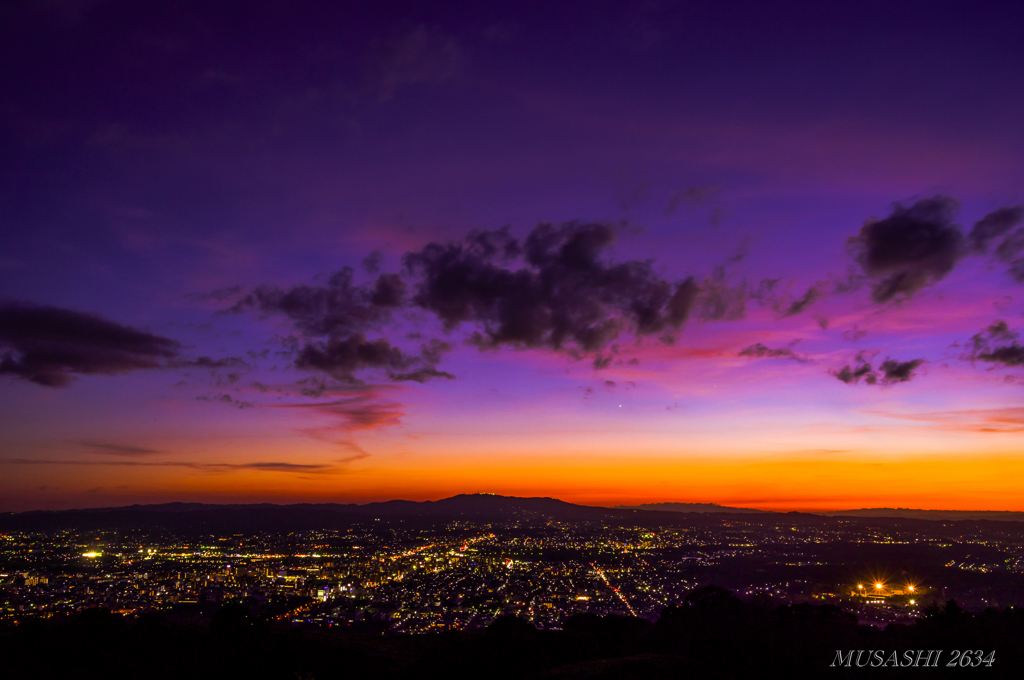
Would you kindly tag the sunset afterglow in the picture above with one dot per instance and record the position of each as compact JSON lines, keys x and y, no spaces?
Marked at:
{"x":338,"y":257}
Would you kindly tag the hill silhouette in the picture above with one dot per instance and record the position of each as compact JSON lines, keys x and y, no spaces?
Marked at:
{"x":208,"y":517}
{"x":690,"y":507}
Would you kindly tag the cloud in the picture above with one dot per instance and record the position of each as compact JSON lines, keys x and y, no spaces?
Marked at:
{"x":853,"y":375}
{"x":371,"y":263}
{"x":898,"y":371}
{"x":802,"y":303}
{"x":226,"y":399}
{"x":556,"y":289}
{"x":997,"y":225}
{"x":212,"y":364}
{"x":889,"y":372}
{"x":562,"y":295}
{"x":721,"y":301}
{"x":985,"y":346}
{"x":1001,"y":420}
{"x":759,"y":351}
{"x":118,"y":449}
{"x":994,"y":225}
{"x":341,"y":358}
{"x":276,"y":467}
{"x":340,"y":307}
{"x":420,"y":375}
{"x":342,"y":311}
{"x":912,"y":248}
{"x":1009,"y":251}
{"x":51,"y":346}
{"x":359,"y":413}
{"x":263,"y":466}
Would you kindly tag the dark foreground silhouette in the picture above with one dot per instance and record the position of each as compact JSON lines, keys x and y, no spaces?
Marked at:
{"x":712,"y":635}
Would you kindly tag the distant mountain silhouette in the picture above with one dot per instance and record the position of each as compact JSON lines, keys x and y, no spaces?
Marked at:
{"x":689,"y":507}
{"x":956,"y":515}
{"x":271,"y":517}
{"x":202,"y":517}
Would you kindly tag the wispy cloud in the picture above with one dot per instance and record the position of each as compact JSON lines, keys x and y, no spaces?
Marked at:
{"x":118,"y":449}
{"x":1000,"y":420}
{"x":263,"y":466}
{"x":51,"y":346}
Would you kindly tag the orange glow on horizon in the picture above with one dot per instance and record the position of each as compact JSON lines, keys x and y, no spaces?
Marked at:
{"x":797,"y":483}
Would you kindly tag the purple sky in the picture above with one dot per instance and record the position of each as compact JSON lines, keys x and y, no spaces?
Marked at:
{"x":170,"y":172}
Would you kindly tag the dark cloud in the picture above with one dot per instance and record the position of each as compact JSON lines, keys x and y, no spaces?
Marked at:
{"x":564,"y":295}
{"x":388,"y":291}
{"x":371,"y":263}
{"x":721,"y":301}
{"x":339,"y":307}
{"x":341,"y":311}
{"x":341,"y":358}
{"x":889,"y":372}
{"x":556,"y":289}
{"x":50,"y":346}
{"x":1002,"y":226}
{"x":226,"y":399}
{"x":434,"y":350}
{"x":853,"y":375}
{"x":1009,"y":251}
{"x":759,"y":351}
{"x":898,"y":371}
{"x":276,"y":467}
{"x":118,"y":449}
{"x":420,"y":375}
{"x":912,"y":248}
{"x":994,"y":225}
{"x":264,"y":466}
{"x":211,"y":364}
{"x":997,"y":344}
{"x":800,"y":304}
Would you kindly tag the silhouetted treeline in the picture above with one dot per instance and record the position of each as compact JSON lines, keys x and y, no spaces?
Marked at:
{"x":711,"y":635}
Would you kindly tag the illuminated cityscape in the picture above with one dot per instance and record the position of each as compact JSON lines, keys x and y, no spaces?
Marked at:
{"x":416,"y":575}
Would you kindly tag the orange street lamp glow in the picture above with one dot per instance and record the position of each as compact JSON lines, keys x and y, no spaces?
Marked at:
{"x":878,"y":585}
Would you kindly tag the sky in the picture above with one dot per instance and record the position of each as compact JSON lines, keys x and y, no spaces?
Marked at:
{"x":765,"y":255}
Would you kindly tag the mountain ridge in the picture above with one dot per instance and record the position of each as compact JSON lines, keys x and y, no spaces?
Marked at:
{"x":272,"y":516}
